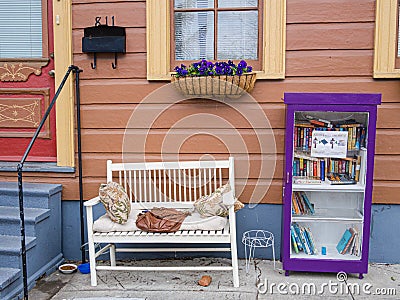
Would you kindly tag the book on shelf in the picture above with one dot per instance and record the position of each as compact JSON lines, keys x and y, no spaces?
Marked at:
{"x":302,"y":239}
{"x":356,"y":247}
{"x":343,"y":241}
{"x":340,"y":179}
{"x":350,"y":242}
{"x":301,"y":204}
{"x":303,"y":130}
{"x":300,"y":242}
{"x":309,"y":205}
{"x":306,"y":166}
{"x":306,"y":180}
{"x":319,"y":121}
{"x":294,"y":242}
{"x":296,"y":238}
{"x":311,"y":239}
{"x":347,"y":246}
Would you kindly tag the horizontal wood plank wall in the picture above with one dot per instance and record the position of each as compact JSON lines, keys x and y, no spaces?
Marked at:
{"x":329,"y":49}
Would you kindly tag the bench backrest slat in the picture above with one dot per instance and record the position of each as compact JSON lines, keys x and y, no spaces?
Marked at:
{"x":171,"y":182}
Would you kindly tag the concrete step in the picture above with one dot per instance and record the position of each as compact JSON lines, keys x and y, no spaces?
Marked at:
{"x":10,"y":250}
{"x":10,"y":220}
{"x":36,"y":195}
{"x":9,"y":282}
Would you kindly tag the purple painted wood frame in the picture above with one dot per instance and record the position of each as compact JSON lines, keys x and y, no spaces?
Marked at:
{"x":325,"y":102}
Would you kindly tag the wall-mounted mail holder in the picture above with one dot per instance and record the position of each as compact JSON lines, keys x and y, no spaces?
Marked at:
{"x":104,"y":39}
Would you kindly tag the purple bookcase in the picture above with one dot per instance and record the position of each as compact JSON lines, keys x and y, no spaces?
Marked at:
{"x":328,"y":178}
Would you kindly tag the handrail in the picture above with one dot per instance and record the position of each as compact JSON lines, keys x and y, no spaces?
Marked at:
{"x":20,"y":166}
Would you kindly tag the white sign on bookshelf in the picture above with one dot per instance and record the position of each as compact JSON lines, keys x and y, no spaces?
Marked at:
{"x":329,"y":144}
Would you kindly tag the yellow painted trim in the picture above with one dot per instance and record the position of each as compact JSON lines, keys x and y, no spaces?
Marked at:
{"x":385,"y":39}
{"x":274,"y":40}
{"x":62,"y":24}
{"x":158,"y":40}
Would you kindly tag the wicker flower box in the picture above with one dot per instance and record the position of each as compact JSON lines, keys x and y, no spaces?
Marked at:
{"x":220,"y":79}
{"x":215,"y":86}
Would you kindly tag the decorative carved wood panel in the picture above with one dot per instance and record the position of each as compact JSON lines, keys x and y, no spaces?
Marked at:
{"x":19,"y":117}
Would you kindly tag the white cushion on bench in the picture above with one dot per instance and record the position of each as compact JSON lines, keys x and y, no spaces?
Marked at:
{"x":192,"y":222}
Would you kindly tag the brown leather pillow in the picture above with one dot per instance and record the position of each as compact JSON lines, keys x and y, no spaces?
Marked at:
{"x":160,"y":220}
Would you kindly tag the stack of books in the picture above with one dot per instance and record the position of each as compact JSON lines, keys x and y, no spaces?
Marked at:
{"x":301,"y":205}
{"x":350,"y":242}
{"x":303,"y":132}
{"x":336,"y":178}
{"x":350,"y":166}
{"x":306,"y":166}
{"x":302,"y":239}
{"x":308,"y":169}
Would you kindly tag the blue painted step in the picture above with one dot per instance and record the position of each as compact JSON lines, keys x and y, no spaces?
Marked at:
{"x":10,"y":250}
{"x":35,"y":195}
{"x":9,"y":281}
{"x":10,"y":220}
{"x":42,"y":214}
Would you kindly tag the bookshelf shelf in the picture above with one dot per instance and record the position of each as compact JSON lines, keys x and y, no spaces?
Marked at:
{"x":331,"y":253}
{"x":325,"y":186}
{"x":329,"y":157}
{"x":330,"y":215}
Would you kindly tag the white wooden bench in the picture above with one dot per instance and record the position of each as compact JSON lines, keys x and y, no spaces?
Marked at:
{"x":166,"y":184}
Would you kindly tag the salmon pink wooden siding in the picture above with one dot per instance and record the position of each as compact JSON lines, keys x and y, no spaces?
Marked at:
{"x":329,"y":49}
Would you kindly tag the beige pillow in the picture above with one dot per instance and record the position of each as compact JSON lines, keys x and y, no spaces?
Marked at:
{"x":238,"y":205}
{"x":215,"y":204}
{"x":115,"y":201}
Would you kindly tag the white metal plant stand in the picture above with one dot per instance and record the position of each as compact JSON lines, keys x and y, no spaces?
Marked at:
{"x":253,"y":239}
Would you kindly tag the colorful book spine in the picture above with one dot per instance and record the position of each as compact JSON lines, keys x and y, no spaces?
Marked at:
{"x":307,"y":202}
{"x":343,"y":241}
{"x":311,"y":238}
{"x":296,"y":237}
{"x":298,"y":233}
{"x":322,"y":172}
{"x":294,"y":242}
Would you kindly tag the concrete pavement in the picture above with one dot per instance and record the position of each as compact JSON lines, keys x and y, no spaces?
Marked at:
{"x":262,"y":282}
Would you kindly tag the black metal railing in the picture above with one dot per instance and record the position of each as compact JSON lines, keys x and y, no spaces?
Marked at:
{"x":20,"y":166}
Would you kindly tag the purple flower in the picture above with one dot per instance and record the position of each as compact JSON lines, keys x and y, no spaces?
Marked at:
{"x":242,"y":64}
{"x":208,"y":68}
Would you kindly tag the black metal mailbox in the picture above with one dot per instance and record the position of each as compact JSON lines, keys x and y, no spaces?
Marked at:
{"x":104,"y":39}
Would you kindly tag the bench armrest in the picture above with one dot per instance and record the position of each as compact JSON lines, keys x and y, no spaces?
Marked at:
{"x":92,"y":202}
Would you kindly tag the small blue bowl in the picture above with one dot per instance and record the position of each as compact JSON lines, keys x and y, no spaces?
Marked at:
{"x":84,"y":268}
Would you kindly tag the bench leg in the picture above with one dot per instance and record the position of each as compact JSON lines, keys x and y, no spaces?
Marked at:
{"x":92,"y":260}
{"x":235,"y":265}
{"x":112,"y":255}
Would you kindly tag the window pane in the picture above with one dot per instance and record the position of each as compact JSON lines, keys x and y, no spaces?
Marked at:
{"x":237,"y":35}
{"x":194,"y":35}
{"x":20,"y":28}
{"x":193,"y":3}
{"x":237,"y":3}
